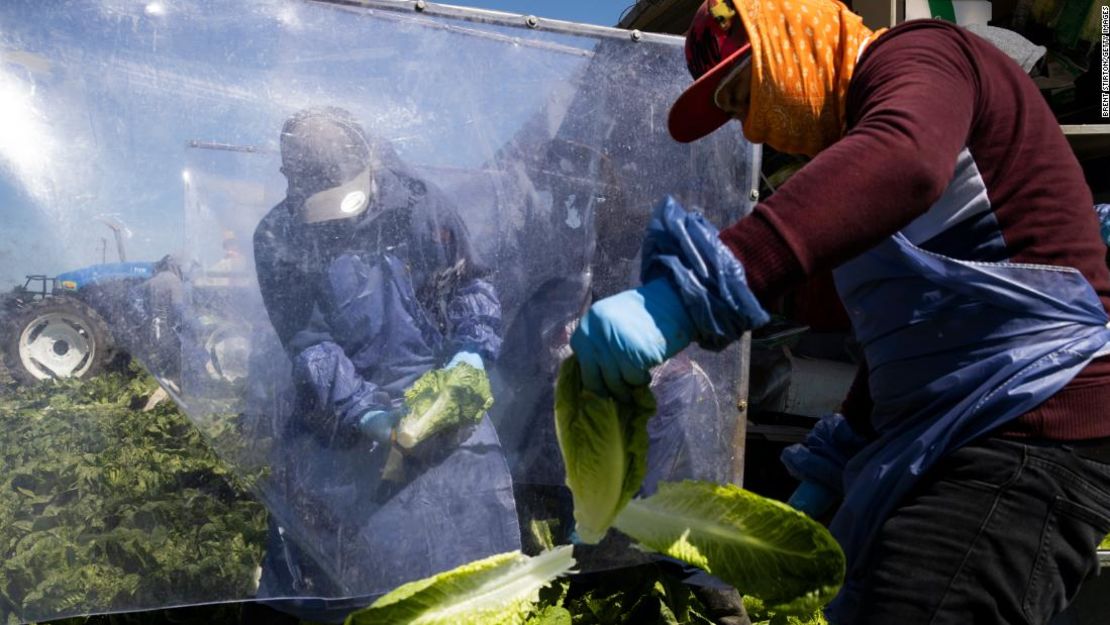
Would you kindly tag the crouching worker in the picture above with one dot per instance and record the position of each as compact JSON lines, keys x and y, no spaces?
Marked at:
{"x":370,"y":285}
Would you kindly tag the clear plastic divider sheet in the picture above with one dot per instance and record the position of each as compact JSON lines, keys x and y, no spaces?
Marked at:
{"x":196,"y":372}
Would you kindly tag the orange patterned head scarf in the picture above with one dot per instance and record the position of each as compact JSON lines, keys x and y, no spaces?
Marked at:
{"x":803,"y":55}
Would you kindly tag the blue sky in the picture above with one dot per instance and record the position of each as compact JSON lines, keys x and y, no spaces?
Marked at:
{"x":603,"y":12}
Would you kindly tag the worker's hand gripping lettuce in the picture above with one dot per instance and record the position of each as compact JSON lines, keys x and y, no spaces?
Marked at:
{"x":604,"y":445}
{"x":764,"y":548}
{"x":498,"y":590}
{"x":442,"y":399}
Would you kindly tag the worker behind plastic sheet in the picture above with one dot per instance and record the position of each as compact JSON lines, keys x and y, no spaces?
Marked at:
{"x":369,"y":282}
{"x":968,"y":478}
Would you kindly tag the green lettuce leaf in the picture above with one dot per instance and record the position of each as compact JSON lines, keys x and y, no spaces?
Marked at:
{"x":760,"y":615}
{"x":604,"y":445}
{"x":551,"y":615}
{"x":441,"y":399}
{"x":763,"y":547}
{"x":499,"y":590}
{"x":647,"y":594}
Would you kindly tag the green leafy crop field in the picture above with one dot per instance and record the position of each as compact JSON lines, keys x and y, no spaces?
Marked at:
{"x":105,"y":506}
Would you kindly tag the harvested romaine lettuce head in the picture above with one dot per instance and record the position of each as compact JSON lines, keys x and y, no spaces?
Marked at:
{"x":763,"y":547}
{"x":442,"y":399}
{"x":499,"y":590}
{"x":604,"y":445}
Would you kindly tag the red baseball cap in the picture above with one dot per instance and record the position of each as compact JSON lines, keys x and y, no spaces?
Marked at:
{"x":715,"y":43}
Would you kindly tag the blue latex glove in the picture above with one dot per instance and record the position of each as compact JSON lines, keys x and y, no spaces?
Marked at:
{"x":620,"y":338}
{"x":378,"y":424}
{"x":694,"y":289}
{"x":470,"y":358}
{"x":813,"y":499}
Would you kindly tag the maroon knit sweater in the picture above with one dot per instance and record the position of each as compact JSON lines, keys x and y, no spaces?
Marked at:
{"x":923,"y":95}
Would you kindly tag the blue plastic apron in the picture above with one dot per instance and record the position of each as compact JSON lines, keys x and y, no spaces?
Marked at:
{"x":955,"y":349}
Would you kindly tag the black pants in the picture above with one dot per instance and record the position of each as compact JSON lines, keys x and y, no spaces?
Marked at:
{"x":1000,"y":532}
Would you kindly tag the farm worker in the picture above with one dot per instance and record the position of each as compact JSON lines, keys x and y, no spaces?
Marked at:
{"x":974,"y":486}
{"x":369,"y":282}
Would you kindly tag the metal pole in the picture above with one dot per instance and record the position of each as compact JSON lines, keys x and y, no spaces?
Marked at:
{"x":226,"y":147}
{"x":498,"y":18}
{"x":118,"y":230}
{"x":740,"y":430}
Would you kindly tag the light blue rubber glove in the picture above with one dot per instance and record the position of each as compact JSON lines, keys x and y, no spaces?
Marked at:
{"x":470,"y":358}
{"x":622,"y":337}
{"x":378,"y":424}
{"x":813,"y":499}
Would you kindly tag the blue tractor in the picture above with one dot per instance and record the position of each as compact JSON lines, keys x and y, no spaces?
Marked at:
{"x":58,"y":327}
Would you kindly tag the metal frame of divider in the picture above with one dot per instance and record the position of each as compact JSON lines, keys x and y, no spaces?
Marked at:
{"x":499,"y":18}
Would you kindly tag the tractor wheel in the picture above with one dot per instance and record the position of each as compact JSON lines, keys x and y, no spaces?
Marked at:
{"x":56,"y":338}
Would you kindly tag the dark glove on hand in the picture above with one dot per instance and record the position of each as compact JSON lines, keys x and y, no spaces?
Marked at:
{"x":687,"y":250}
{"x":694,"y":290}
{"x":819,"y":463}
